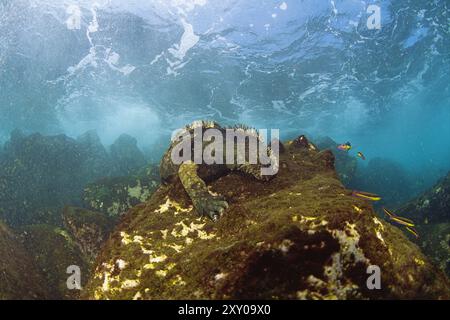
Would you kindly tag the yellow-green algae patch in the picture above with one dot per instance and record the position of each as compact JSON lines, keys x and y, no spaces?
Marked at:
{"x":298,"y":236}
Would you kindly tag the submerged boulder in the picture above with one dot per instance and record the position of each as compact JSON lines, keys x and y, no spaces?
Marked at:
{"x":433,"y":206}
{"x":97,"y":163}
{"x":126,"y":156}
{"x":300,"y":236}
{"x":39,"y":175}
{"x":114,"y":196}
{"x":434,"y":240}
{"x":53,"y":251}
{"x":20,"y":278}
{"x":431,"y":212}
{"x":88,"y":229}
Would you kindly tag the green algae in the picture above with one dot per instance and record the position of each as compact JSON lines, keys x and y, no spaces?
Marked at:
{"x":300,"y":236}
{"x":20,"y":277}
{"x":115,"y":196}
{"x":87,"y":229}
{"x":53,"y":263}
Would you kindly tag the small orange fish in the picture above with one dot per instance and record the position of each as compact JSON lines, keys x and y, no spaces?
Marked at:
{"x":345,"y":147}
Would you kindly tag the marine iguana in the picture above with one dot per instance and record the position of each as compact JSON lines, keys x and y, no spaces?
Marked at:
{"x":195,"y":174}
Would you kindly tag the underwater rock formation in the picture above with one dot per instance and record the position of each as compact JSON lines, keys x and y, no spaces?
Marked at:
{"x":345,"y":164}
{"x":127,"y":157}
{"x":39,"y":174}
{"x":97,"y":162}
{"x":433,"y":206}
{"x":300,"y":236}
{"x":88,"y":229}
{"x":19,"y":276}
{"x":434,"y":240}
{"x":53,"y":251}
{"x":431,"y":212}
{"x":114,"y":196}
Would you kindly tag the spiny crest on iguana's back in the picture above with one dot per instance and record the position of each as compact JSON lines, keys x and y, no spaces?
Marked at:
{"x":205,"y":124}
{"x":246,"y":129}
{"x":210,"y":124}
{"x":190,"y":128}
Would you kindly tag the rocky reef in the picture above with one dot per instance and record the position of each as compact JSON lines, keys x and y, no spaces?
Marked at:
{"x":431,"y":212}
{"x":88,"y":229}
{"x":19,"y":276}
{"x":114,"y":196}
{"x":300,"y":236}
{"x":126,"y":156}
{"x":433,"y":206}
{"x":39,"y":175}
{"x":97,"y":162}
{"x":434,"y":240}
{"x":53,"y":250}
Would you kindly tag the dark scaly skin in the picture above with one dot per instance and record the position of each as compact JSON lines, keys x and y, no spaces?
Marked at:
{"x":204,"y":202}
{"x":193,"y":176}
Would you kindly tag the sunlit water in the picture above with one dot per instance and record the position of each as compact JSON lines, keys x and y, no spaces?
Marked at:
{"x":149,"y":67}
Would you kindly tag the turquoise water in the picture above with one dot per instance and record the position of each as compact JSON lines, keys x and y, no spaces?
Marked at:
{"x":148,"y":67}
{"x":92,"y":91}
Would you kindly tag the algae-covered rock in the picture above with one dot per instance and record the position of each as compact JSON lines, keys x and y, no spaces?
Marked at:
{"x":114,"y":196}
{"x":19,"y":276}
{"x":53,"y":251}
{"x":431,"y":212}
{"x":300,"y":236}
{"x":345,"y":164}
{"x":88,"y":229}
{"x":38,"y":172}
{"x":433,"y":206}
{"x":434,"y":240}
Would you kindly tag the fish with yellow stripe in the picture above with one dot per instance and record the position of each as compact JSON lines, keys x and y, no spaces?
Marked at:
{"x":409,"y":224}
{"x":366,"y":195}
{"x":413,"y":231}
{"x":400,"y":220}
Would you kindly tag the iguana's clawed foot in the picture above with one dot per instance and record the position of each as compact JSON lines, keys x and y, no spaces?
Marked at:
{"x":211,"y":206}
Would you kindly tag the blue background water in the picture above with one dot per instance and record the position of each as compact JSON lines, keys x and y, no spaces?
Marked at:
{"x":149,"y":67}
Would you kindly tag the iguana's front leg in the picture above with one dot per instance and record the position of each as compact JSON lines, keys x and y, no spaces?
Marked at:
{"x":204,"y":202}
